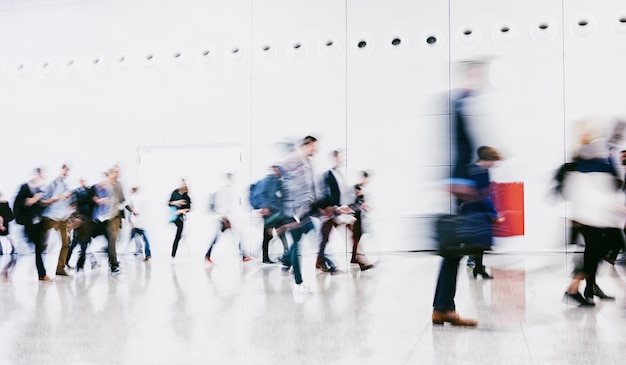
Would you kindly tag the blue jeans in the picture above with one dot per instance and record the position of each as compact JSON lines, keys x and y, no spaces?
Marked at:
{"x":294,"y":251}
{"x":446,"y":284}
{"x":137,"y":233}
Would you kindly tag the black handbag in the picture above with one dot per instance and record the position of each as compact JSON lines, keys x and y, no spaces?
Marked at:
{"x":454,"y":233}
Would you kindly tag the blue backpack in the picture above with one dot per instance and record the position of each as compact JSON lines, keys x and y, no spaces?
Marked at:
{"x":256,"y":194}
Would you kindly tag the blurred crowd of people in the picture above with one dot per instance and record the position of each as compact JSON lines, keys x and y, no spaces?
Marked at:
{"x":291,"y":198}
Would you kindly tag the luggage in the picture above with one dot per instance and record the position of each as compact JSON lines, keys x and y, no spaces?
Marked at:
{"x":455,"y":235}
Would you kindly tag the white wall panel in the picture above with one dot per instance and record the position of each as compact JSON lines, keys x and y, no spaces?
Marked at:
{"x":594,"y":28}
{"x":593,"y":84}
{"x":301,"y":13}
{"x":377,"y":10}
{"x":462,"y":5}
{"x":189,"y":18}
{"x":216,"y":113}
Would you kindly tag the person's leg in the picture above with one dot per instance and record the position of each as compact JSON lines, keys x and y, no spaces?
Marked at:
{"x":358,"y":257}
{"x":215,"y":239}
{"x":611,"y":238}
{"x":113,"y":229}
{"x":294,"y":251}
{"x":616,"y":244}
{"x":323,"y":262}
{"x":444,"y":308}
{"x":267,"y":237}
{"x":479,"y":267}
{"x":146,"y":250}
{"x":179,"y":233}
{"x":73,"y":244}
{"x":591,"y":236}
{"x":283,"y":239}
{"x":83,"y":255}
{"x":61,"y":226}
{"x":4,"y":273}
{"x":357,"y":233}
{"x":446,"y":284}
{"x":35,"y":235}
{"x":135,"y":236}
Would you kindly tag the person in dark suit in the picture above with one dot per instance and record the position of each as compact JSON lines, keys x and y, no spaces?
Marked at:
{"x":336,"y":210}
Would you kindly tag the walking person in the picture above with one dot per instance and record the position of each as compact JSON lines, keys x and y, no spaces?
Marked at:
{"x":594,"y":190}
{"x":6,"y":216}
{"x":300,"y":195}
{"x":117,"y":206}
{"x":226,"y":204}
{"x":180,"y":204}
{"x":480,"y":210}
{"x":56,"y":214}
{"x":138,"y":232}
{"x":28,"y":211}
{"x":82,"y":223}
{"x":267,"y":195}
{"x":360,"y":207}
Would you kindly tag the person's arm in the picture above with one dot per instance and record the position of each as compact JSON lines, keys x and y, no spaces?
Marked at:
{"x":29,"y":201}
{"x":174,"y":202}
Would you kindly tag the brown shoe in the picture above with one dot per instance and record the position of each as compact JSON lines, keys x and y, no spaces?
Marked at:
{"x":453,"y":318}
{"x":45,"y":279}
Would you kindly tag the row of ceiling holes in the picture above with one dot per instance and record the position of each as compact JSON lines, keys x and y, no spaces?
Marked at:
{"x":361,"y":44}
{"x":431,"y":40}
{"x":544,"y":26}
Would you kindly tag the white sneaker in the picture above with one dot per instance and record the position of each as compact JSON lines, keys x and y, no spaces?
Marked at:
{"x":301,"y":288}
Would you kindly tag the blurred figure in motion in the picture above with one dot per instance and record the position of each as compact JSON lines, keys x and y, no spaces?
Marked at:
{"x":611,"y":257}
{"x":360,"y":206}
{"x":117,"y":205}
{"x":337,"y":210}
{"x":6,"y":216}
{"x":56,"y":213}
{"x":595,"y":191}
{"x":467,"y":128}
{"x":138,"y":232}
{"x":226,"y":204}
{"x":268,"y":196}
{"x":480,"y":213}
{"x":180,"y":204}
{"x":82,"y":223}
{"x":299,"y":189}
{"x":464,"y":128}
{"x":479,"y":209}
{"x":28,"y":210}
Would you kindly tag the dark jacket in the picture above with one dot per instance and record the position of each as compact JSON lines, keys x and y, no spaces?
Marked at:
{"x":331,"y":195}
{"x":7,"y":215}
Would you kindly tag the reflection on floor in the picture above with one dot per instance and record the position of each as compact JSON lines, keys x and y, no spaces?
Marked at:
{"x":188,"y":312}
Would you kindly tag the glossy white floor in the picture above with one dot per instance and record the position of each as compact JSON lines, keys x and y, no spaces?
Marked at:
{"x":187,"y":312}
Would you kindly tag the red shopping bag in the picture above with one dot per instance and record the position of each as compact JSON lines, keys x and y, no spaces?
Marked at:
{"x":508,"y":199}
